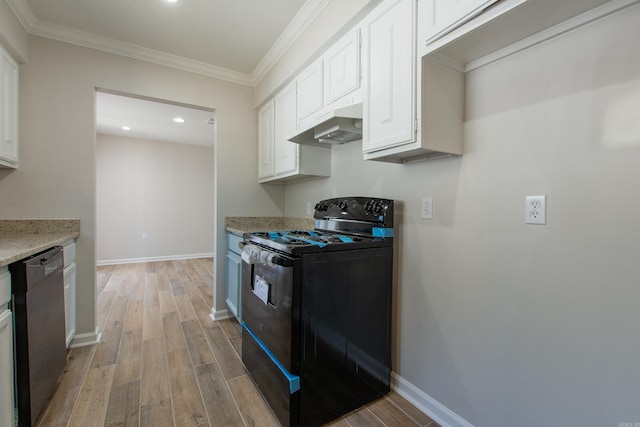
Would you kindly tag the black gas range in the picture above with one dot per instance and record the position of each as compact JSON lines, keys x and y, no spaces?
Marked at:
{"x":316,"y":330}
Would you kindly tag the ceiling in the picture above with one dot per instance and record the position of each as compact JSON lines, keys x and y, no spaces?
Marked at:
{"x":153,"y":120}
{"x":236,"y":40}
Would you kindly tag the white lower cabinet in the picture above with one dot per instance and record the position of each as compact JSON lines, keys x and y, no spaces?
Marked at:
{"x":69,"y":291}
{"x":6,"y":351}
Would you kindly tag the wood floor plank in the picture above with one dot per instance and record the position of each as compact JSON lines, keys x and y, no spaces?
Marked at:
{"x":124,"y":405}
{"x":185,"y":308}
{"x":103,"y":274}
{"x":157,"y":414}
{"x":135,"y":315}
{"x":227,"y":358}
{"x":163,"y":278}
{"x":218,"y":401}
{"x":58,"y":410}
{"x":188,"y":407}
{"x":128,"y":364}
{"x":93,"y":399}
{"x":197,"y":343}
{"x":203,"y":312}
{"x":236,"y":342}
{"x":173,"y":334}
{"x":417,"y":415}
{"x":252,"y":406}
{"x":154,"y":382}
{"x":107,"y":350}
{"x":167,"y":302}
{"x":152,"y":323}
{"x":103,"y":305}
{"x":363,"y":418}
{"x":231,"y":327}
{"x":390,"y":414}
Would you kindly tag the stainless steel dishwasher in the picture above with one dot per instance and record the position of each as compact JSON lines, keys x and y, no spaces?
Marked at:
{"x":37,"y":286}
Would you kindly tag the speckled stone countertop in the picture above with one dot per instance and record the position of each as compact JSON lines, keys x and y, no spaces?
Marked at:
{"x":243,"y":224}
{"x":20,"y":238}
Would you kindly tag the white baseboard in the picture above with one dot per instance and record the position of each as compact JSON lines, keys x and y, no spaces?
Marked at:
{"x":220,"y":314}
{"x":427,"y":404}
{"x":152,"y":259}
{"x":82,"y":340}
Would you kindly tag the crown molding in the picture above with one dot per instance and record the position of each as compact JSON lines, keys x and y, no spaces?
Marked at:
{"x":310,"y":10}
{"x":81,"y":38}
{"x":301,"y":21}
{"x":24,"y":13}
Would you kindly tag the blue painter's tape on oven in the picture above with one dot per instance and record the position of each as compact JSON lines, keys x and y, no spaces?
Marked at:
{"x":382,"y":232}
{"x":273,"y":234}
{"x":312,"y":233}
{"x":345,"y":239}
{"x":294,"y":380}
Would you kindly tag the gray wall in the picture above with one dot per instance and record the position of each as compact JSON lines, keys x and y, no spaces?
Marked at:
{"x":56,"y":178}
{"x":508,"y":324}
{"x":159,"y":188}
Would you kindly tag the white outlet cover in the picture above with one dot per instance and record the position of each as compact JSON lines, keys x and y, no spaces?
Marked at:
{"x":535,"y":210}
{"x":426,"y":208}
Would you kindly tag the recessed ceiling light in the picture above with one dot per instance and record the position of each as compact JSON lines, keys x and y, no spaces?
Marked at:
{"x":178,"y":120}
{"x":126,"y":128}
{"x":172,"y":1}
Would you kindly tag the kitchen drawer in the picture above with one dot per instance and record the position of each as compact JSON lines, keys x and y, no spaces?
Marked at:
{"x":232,"y":243}
{"x":278,"y":386}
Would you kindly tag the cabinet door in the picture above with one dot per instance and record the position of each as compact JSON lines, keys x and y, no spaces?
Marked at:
{"x":265,"y":140}
{"x":309,"y":88}
{"x":234,"y":277}
{"x":342,"y":67}
{"x":447,"y":15}
{"x":70,"y":301}
{"x":389,"y":105}
{"x":6,"y":368}
{"x":286,"y":152}
{"x":8,"y":110}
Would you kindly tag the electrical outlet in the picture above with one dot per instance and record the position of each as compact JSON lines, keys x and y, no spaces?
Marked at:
{"x":426,"y":211}
{"x":535,"y":210}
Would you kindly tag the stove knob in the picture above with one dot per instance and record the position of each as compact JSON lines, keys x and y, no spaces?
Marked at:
{"x":342,"y":205}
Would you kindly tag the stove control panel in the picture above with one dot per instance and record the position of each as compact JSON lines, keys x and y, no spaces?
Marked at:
{"x":368,"y":209}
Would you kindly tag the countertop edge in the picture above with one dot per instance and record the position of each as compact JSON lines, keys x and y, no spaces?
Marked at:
{"x":25,"y":245}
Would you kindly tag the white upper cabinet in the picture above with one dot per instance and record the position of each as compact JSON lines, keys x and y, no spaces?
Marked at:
{"x":282,"y":161}
{"x":286,"y":152}
{"x":389,"y":104}
{"x":266,"y":123}
{"x":445,"y":15}
{"x":310,"y":92}
{"x":8,"y":111}
{"x":331,"y":82}
{"x":342,"y":67}
{"x":412,"y":109}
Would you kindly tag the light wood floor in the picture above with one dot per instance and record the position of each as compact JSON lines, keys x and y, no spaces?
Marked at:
{"x":163,"y":362}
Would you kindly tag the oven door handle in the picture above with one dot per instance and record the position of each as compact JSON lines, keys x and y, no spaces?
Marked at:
{"x":274,"y":257}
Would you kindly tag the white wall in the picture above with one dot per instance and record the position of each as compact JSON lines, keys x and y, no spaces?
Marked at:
{"x":508,"y":324}
{"x":56,"y":178}
{"x":159,"y":188}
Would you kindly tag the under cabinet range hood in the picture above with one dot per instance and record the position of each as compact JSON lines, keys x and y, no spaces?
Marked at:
{"x":335,"y":127}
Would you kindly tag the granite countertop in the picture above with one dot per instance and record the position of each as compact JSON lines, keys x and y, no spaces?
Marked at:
{"x":22,"y":238}
{"x":242,"y":224}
